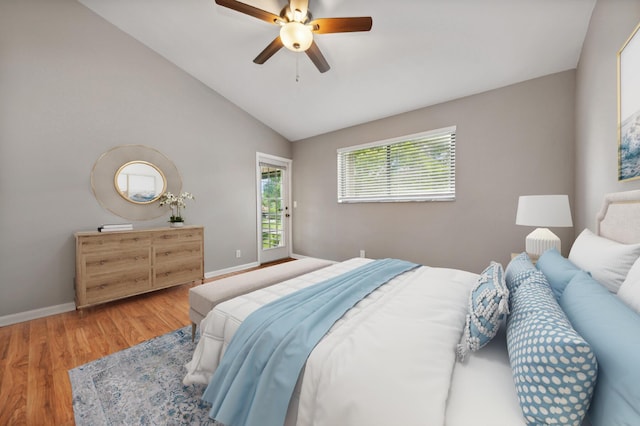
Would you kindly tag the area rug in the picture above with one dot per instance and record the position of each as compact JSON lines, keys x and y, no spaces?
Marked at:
{"x":141,"y":385}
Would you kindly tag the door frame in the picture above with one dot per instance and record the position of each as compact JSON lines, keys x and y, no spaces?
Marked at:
{"x":288,"y":164}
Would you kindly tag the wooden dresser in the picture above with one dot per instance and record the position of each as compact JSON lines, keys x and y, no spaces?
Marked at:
{"x":114,"y":265}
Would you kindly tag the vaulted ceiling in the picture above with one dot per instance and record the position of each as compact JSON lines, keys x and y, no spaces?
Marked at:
{"x":418,"y":53}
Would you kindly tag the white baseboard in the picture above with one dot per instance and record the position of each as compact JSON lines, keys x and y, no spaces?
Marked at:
{"x":36,"y":313}
{"x":231,"y":269}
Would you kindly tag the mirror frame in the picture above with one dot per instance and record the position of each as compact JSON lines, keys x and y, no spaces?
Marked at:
{"x":105,"y":168}
{"x":128,"y":197}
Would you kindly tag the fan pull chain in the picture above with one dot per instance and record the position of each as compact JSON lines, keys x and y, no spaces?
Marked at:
{"x":297,"y":68}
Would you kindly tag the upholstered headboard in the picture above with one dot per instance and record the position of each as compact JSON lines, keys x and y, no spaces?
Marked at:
{"x":619,"y":217}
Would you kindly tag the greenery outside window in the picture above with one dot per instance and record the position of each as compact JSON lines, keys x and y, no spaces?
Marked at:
{"x":272,"y":221}
{"x":419,"y":167}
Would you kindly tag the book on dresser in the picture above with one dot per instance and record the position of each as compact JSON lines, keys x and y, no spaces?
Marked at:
{"x":115,"y":227}
{"x":115,"y":265}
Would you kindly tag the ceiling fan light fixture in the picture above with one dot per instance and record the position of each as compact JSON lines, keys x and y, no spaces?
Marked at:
{"x":297,"y":28}
{"x":296,"y":36}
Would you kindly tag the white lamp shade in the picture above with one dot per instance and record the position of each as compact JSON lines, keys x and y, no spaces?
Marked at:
{"x":544,"y":210}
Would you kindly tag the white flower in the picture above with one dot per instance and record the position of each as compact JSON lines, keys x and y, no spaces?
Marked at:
{"x":177,"y":203}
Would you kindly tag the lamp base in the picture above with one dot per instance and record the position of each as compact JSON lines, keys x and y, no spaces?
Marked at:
{"x":541,"y":240}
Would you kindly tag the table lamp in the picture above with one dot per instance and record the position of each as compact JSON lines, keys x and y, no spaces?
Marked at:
{"x":543,"y":211}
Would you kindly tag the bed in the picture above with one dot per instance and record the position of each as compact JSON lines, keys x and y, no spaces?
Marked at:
{"x":391,"y":359}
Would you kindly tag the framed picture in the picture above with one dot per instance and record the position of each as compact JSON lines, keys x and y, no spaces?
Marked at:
{"x":629,"y":108}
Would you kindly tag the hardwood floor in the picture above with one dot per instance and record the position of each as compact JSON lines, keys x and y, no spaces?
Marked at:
{"x":35,"y":356}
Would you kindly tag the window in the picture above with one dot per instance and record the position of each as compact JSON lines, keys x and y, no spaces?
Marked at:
{"x":271,"y":187}
{"x":418,"y":167}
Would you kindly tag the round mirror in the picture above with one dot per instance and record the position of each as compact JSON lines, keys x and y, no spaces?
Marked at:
{"x":140,"y":182}
{"x":145,"y":161}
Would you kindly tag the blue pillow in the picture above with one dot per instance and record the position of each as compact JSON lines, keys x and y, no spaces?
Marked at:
{"x":518,"y":270}
{"x":554,"y":369}
{"x":613,"y":330}
{"x":488,"y":302}
{"x":558,"y":270}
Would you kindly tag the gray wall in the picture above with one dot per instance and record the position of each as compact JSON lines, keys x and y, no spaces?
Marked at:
{"x":73,"y":86}
{"x":512,"y":141}
{"x":596,"y":108}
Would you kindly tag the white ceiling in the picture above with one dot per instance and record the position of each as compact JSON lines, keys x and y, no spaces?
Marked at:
{"x":418,"y":53}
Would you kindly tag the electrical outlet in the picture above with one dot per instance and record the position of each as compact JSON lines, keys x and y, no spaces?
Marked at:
{"x":362,"y":253}
{"x":238,"y":253}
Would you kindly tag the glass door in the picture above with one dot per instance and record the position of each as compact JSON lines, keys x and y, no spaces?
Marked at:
{"x":273,"y":208}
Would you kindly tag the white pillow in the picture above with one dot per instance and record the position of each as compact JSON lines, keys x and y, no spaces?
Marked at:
{"x":630,"y":289}
{"x":606,"y":260}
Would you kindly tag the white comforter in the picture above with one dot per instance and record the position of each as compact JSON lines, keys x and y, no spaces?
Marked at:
{"x":388,"y":361}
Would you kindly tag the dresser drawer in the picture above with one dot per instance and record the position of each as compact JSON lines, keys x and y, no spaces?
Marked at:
{"x":178,"y":235}
{"x":112,"y":262}
{"x":177,"y":251}
{"x":183,"y":271}
{"x":116,"y":285}
{"x":112,"y":242}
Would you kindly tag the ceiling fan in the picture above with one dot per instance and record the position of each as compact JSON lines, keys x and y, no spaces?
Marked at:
{"x":297,"y":28}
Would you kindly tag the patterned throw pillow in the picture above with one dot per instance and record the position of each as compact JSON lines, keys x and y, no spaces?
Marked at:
{"x":518,"y":270}
{"x":488,"y":302}
{"x":554,"y":368}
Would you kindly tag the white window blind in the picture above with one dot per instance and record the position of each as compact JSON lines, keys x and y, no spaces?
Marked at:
{"x":420,"y":167}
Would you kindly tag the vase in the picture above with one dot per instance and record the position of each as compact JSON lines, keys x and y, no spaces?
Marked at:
{"x":176,"y":224}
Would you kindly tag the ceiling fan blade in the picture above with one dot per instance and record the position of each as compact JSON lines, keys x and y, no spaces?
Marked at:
{"x":269,"y":51}
{"x":316,"y":57}
{"x":249,"y":10}
{"x":341,"y":25}
{"x":302,"y":6}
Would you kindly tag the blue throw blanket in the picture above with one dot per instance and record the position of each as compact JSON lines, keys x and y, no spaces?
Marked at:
{"x":256,"y":377}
